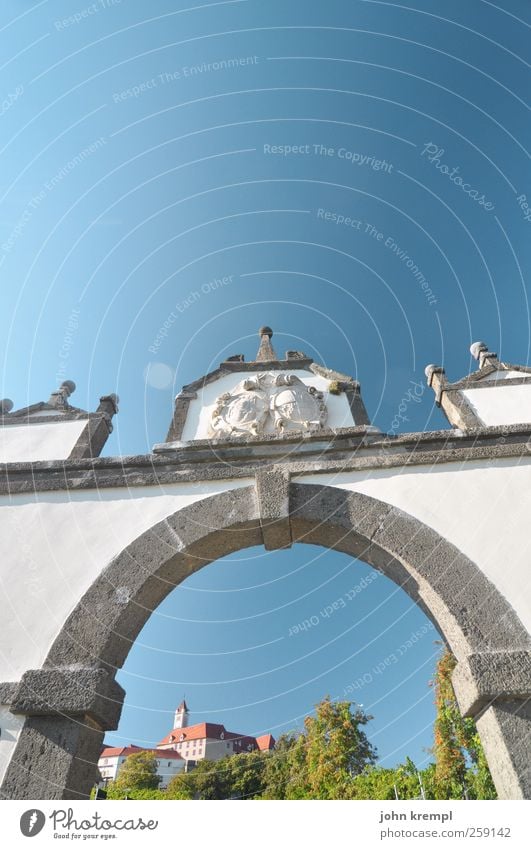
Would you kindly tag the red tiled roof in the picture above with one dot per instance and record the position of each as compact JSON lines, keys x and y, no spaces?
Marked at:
{"x":206,"y":730}
{"x":196,"y":732}
{"x":118,"y":751}
{"x":125,"y":751}
{"x":265,"y":742}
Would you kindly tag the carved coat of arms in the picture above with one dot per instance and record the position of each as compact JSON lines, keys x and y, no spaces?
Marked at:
{"x":282,"y":400}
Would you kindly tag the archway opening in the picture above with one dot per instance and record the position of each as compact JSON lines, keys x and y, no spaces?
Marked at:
{"x":254,"y":640}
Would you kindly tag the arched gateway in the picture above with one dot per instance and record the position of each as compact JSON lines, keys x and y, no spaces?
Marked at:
{"x":272,"y":452}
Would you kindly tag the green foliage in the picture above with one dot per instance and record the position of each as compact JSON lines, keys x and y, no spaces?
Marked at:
{"x":281,"y":768}
{"x":331,"y":759}
{"x":115,"y":791}
{"x":137,"y":773}
{"x":337,"y":749}
{"x":317,"y":764}
{"x":233,"y":777}
{"x":335,"y":387}
{"x":379,"y":783}
{"x":244,"y":775}
{"x":461,"y":769}
{"x":321,"y":762}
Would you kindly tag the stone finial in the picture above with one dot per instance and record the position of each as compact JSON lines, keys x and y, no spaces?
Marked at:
{"x":266,"y":352}
{"x":436,"y":378}
{"x":430,"y":370}
{"x":109,"y":407}
{"x":60,"y":397}
{"x":6,"y":405}
{"x":109,"y":404}
{"x":477,"y":348}
{"x":480,"y":352}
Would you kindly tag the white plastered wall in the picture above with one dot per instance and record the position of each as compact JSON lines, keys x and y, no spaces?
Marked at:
{"x":501,"y":405}
{"x":55,"y":544}
{"x":54,"y":547}
{"x":25,"y":443}
{"x":482,"y":507}
{"x":201,"y":408}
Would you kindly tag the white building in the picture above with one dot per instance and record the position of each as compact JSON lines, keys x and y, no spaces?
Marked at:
{"x":169,"y":763}
{"x":209,"y":740}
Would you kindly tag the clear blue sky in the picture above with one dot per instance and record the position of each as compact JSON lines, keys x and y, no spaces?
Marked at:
{"x":145,"y":154}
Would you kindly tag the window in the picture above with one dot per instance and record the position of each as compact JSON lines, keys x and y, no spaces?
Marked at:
{"x":169,"y":763}
{"x":105,"y":760}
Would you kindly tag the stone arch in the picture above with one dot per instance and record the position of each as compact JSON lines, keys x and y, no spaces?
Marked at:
{"x":73,"y":699}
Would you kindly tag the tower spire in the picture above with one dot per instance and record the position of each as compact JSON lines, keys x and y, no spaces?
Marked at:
{"x":181,"y":715}
{"x":266,"y":352}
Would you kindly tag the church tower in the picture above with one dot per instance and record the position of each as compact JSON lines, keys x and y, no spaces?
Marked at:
{"x":181,"y":716}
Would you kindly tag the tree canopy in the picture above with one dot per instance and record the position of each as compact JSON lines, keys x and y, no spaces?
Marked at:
{"x":138,"y":773}
{"x":331,"y":758}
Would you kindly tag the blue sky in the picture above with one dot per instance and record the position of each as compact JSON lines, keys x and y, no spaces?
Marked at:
{"x":150,"y":151}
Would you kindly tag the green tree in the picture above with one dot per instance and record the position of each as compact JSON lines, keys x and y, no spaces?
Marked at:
{"x":281,"y":768}
{"x":320,"y":762}
{"x":337,"y":748}
{"x":207,"y":780}
{"x":461,"y":769}
{"x":232,"y":777}
{"x":137,"y":773}
{"x":244,"y":775}
{"x":403,"y":781}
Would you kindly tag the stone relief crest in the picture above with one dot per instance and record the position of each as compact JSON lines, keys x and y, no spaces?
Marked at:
{"x":280,"y":400}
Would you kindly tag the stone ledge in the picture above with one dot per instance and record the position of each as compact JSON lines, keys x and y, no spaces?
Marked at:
{"x":487,"y":677}
{"x":69,"y":691}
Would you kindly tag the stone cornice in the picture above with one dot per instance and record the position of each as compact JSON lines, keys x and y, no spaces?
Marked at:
{"x":343,"y":450}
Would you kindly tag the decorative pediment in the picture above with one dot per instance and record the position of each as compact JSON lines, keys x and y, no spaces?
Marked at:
{"x":280,"y":399}
{"x":268,"y":396}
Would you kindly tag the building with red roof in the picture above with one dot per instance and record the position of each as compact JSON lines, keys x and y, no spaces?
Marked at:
{"x":209,"y":740}
{"x":185,"y":744}
{"x":169,"y":762}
